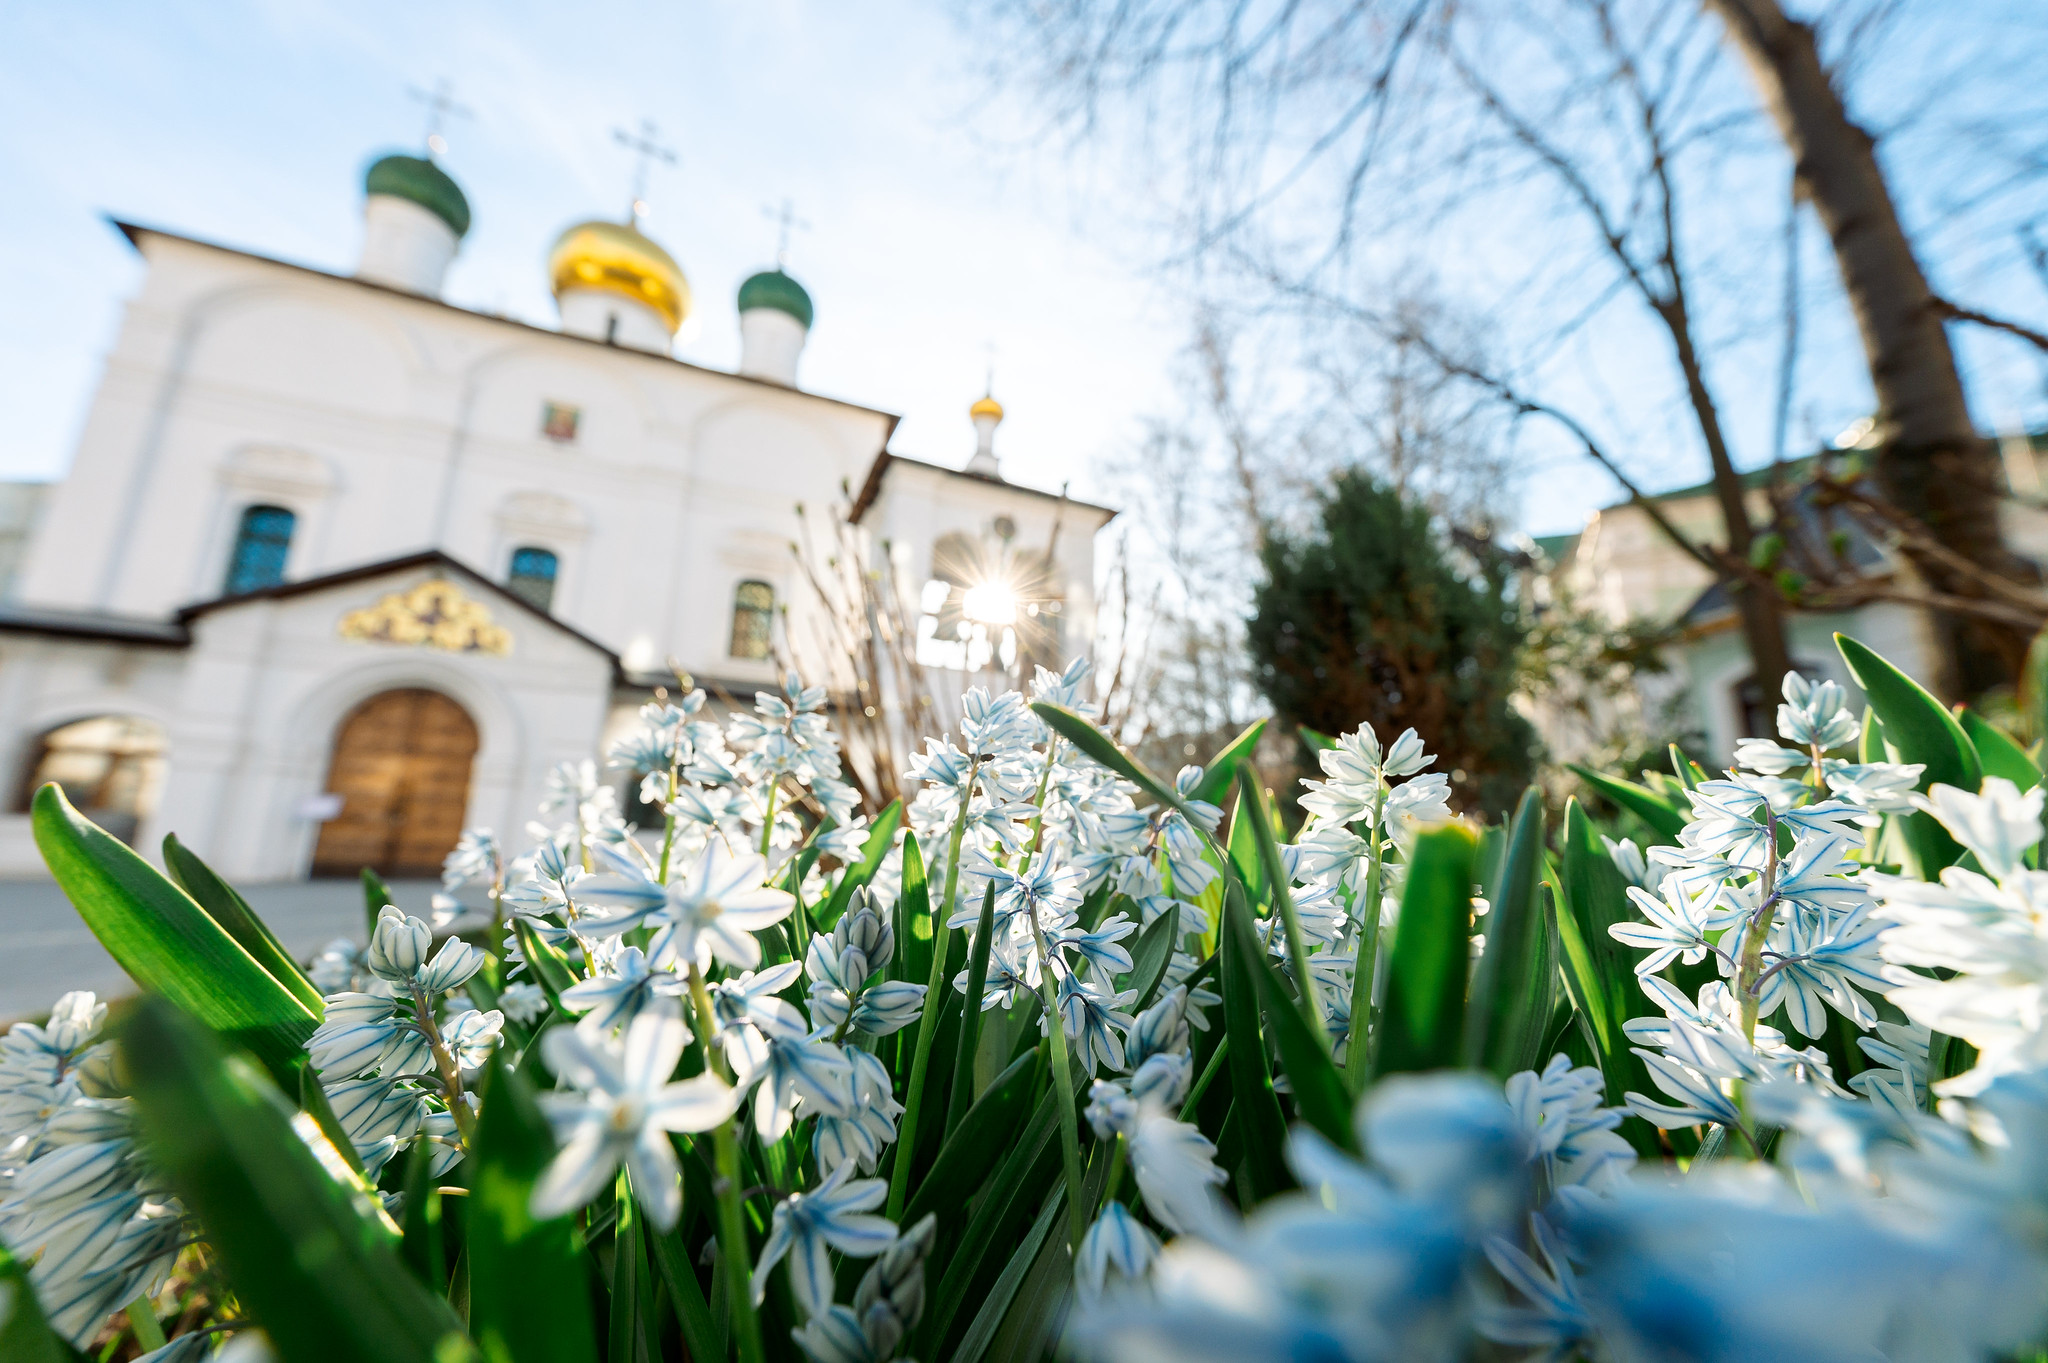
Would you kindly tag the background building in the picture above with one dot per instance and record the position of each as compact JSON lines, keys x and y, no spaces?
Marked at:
{"x":339,"y":567}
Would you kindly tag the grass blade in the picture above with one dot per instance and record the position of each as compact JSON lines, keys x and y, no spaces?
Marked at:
{"x":1421,"y":1025}
{"x":233,"y":913}
{"x":307,"y":1256}
{"x":1511,"y":1000}
{"x":527,"y":1302}
{"x":166,"y":942}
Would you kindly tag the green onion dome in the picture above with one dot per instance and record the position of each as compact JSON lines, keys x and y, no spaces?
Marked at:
{"x":423,"y":182}
{"x":774,"y":289}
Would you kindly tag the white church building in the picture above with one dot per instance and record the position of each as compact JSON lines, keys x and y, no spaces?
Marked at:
{"x":340,"y":568}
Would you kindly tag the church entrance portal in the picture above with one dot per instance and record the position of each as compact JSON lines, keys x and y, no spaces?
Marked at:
{"x":401,"y":765}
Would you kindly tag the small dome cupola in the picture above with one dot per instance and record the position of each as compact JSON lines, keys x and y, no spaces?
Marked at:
{"x":987,"y":414}
{"x":775,"y":321}
{"x":414,"y":219}
{"x":616,"y":284}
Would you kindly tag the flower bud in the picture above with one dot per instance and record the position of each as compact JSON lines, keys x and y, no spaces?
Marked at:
{"x":399,"y":945}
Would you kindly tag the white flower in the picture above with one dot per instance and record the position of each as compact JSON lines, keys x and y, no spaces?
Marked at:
{"x":1816,"y":714}
{"x":717,"y":911}
{"x":1117,"y":1249}
{"x":625,"y":1111}
{"x":398,"y":945}
{"x":1999,"y":824}
{"x":832,"y":1215}
{"x":1176,"y":1170}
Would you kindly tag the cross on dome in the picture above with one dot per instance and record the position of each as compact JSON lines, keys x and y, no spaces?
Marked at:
{"x":441,"y":105}
{"x":648,"y":150}
{"x":785,"y":218}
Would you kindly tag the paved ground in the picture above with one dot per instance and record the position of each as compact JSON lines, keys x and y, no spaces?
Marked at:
{"x":46,"y":949}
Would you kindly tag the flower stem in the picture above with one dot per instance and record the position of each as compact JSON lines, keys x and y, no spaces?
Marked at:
{"x":1749,"y":970}
{"x":732,"y":1226}
{"x":444,"y":1063}
{"x":1063,"y":1081}
{"x":668,"y":831}
{"x":1358,"y":1046}
{"x":928,"y":1021}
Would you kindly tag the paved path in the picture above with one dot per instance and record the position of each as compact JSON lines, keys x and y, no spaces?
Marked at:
{"x":46,"y":949}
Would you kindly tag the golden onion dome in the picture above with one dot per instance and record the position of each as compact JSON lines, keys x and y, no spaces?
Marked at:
{"x":987,"y":406}
{"x":619,"y":258}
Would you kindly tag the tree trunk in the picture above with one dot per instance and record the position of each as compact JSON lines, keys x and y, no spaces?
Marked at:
{"x":1761,"y":612}
{"x":1931,"y":463}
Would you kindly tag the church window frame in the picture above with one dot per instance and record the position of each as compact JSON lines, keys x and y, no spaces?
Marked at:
{"x":753,"y":620}
{"x":261,"y":550}
{"x":533,"y":573}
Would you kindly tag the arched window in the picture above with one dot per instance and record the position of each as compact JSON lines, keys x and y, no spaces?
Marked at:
{"x":262,"y":541}
{"x":753,"y":612}
{"x":110,"y":766}
{"x":532,"y":578}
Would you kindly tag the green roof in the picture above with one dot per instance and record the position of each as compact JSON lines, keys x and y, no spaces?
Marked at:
{"x":774,"y":289}
{"x":424,"y":183}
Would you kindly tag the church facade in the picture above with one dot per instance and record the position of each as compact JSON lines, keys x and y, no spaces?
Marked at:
{"x":340,"y":568}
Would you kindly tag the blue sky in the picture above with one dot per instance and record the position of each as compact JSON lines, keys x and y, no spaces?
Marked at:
{"x":250,"y":121}
{"x":941,"y":225}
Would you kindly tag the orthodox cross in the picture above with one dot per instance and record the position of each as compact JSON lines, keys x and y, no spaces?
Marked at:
{"x":441,"y":106}
{"x":786,"y":220}
{"x":648,"y":151}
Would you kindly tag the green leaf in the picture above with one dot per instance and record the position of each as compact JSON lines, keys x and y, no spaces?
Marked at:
{"x":1039,"y":1302}
{"x":1917,"y":728}
{"x":1151,"y":955}
{"x":233,"y":913}
{"x":2000,"y":755}
{"x":913,"y":907}
{"x":1917,"y":725}
{"x":166,"y":943}
{"x":1316,"y":741}
{"x":1251,"y":809}
{"x":1509,"y":1010}
{"x":1030,"y":1167}
{"x":422,"y":1247}
{"x":1222,"y":768}
{"x":549,"y":966}
{"x":310,"y":1257}
{"x":1244,"y":857}
{"x":1665,"y":819}
{"x":962,"y":1091}
{"x":976,"y":1144}
{"x":1320,"y":1097}
{"x":25,"y":1336}
{"x":527,"y":1300}
{"x":1260,"y":1122}
{"x":1422,"y":1023}
{"x":881,"y":837}
{"x":702,"y":1335}
{"x":1592,"y":897}
{"x":995,"y":1307}
{"x":1103,"y":749}
{"x":376,"y":894}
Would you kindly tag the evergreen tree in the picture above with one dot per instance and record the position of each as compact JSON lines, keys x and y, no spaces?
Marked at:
{"x":1366,"y":618}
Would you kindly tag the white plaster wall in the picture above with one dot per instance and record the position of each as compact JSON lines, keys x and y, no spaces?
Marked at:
{"x":390,"y":424}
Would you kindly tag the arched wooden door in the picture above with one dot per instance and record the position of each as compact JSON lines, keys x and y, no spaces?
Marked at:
{"x":401,"y":765}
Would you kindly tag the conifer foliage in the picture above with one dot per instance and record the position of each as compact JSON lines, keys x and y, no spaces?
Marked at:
{"x":1366,"y":617}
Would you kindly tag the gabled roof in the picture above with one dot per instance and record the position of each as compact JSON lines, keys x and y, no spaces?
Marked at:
{"x":103,"y":626}
{"x":135,"y":232}
{"x":872,"y":487}
{"x":426,"y":558}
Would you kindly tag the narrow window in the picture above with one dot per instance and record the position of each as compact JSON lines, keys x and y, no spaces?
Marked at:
{"x":753,"y":611}
{"x":262,"y":542}
{"x":532,"y":578}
